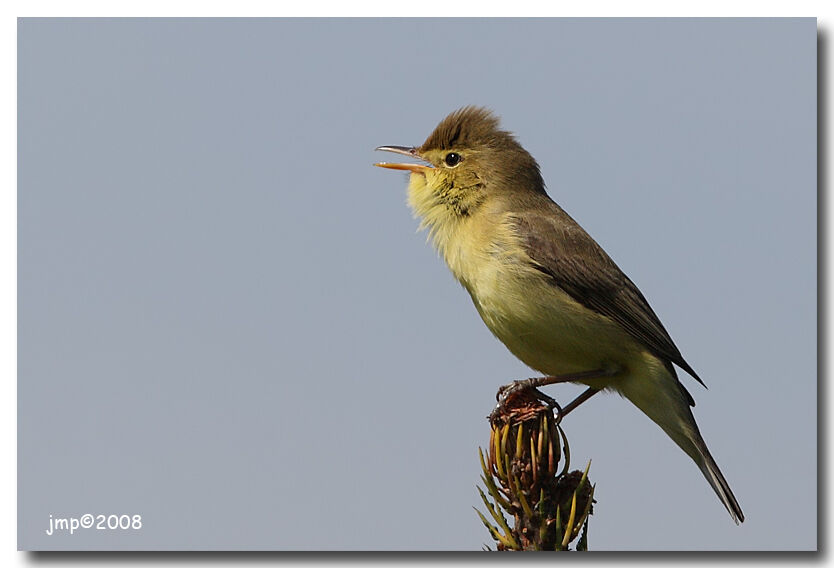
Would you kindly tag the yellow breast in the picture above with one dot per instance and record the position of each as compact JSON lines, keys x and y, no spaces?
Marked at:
{"x":537,"y":321}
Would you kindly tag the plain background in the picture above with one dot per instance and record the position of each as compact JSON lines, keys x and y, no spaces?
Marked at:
{"x":228,"y":325}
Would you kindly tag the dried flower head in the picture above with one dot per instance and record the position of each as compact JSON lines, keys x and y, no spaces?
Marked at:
{"x":549,"y":504}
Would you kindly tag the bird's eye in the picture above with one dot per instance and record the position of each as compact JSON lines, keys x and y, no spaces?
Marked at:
{"x":452,"y":159}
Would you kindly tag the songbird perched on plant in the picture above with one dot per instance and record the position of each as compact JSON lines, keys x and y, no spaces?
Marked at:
{"x":541,"y":284}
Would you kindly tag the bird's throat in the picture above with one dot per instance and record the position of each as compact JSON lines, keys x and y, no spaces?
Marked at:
{"x":432,"y":207}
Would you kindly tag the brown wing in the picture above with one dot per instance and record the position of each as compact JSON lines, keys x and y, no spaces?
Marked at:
{"x":563,"y":250}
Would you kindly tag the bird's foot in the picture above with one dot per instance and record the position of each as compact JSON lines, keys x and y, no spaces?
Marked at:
{"x":519,"y":398}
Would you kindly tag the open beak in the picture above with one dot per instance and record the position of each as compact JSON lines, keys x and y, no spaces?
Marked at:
{"x":406,"y":151}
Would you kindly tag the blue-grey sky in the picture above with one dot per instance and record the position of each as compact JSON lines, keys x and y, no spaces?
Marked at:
{"x":229,"y":325}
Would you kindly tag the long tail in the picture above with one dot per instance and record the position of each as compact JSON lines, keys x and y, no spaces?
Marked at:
{"x":663,"y":399}
{"x":710,"y":470}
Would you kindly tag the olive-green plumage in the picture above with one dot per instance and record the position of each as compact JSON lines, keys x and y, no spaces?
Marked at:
{"x":541,"y":284}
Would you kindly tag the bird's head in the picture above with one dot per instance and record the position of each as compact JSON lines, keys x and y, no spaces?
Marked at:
{"x":467,"y":160}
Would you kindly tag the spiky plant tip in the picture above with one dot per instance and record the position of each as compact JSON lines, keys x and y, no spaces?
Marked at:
{"x":526,"y":474}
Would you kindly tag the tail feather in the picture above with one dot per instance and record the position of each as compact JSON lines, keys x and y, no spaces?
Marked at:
{"x":684,"y":432}
{"x":659,"y":397}
{"x":710,"y":470}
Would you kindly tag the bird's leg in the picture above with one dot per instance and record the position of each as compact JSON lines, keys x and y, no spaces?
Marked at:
{"x":536,"y":382}
{"x":591,"y":391}
{"x":584,"y":375}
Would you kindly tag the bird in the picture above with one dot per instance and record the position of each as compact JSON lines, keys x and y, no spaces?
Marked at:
{"x":541,"y":283}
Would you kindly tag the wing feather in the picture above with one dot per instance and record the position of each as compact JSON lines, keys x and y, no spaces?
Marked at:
{"x":560,"y":248}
